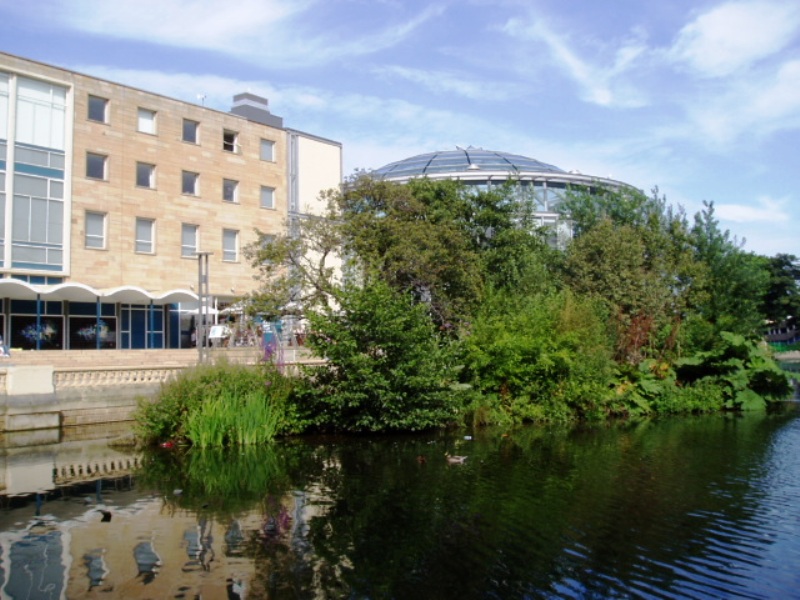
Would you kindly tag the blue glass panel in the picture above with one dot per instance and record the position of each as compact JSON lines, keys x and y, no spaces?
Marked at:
{"x":83,"y":308}
{"x":42,"y":171}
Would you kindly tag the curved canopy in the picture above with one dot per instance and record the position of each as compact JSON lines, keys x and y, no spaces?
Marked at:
{"x":79,"y":292}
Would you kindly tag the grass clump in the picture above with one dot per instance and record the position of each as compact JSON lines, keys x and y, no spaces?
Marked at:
{"x":218,"y":405}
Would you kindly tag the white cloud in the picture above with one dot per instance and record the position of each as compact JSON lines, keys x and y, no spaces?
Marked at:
{"x":765,"y":210}
{"x":735,"y":35}
{"x":284,"y":33}
{"x":756,"y":106}
{"x":599,"y":84}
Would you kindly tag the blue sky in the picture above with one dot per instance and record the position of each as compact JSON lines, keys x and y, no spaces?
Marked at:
{"x":699,"y":98}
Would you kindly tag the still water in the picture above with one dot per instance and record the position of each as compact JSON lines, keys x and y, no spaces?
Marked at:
{"x":705,"y":507}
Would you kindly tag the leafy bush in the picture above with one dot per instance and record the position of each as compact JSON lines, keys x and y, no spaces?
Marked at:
{"x":744,"y":370}
{"x":534,"y":358}
{"x":386,"y":368}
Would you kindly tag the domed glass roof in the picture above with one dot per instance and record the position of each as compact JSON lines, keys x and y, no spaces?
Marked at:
{"x":463,"y":160}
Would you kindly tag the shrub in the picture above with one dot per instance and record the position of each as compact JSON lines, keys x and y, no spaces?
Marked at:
{"x":543,"y":357}
{"x":386,"y":370}
{"x":219,"y":404}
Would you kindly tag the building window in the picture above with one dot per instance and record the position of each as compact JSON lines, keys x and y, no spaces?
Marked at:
{"x":98,"y":109}
{"x":230,"y":141}
{"x":145,"y":175}
{"x":230,"y":190}
{"x":41,"y":114}
{"x":96,"y":165}
{"x":146,"y":121}
{"x":37,"y":225}
{"x":144,"y":235}
{"x":190,"y":183}
{"x":267,"y":197}
{"x":191,"y":130}
{"x":189,"y":240}
{"x":268,"y":150}
{"x":95,"y":230}
{"x":230,"y":245}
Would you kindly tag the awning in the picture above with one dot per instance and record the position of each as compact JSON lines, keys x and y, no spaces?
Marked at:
{"x":79,"y":292}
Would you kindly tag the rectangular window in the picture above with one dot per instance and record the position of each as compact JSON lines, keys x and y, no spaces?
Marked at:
{"x":230,"y":141}
{"x":2,"y":212}
{"x":146,"y":121}
{"x":268,"y":150}
{"x":189,"y":183}
{"x":189,"y":234}
{"x":98,"y":109}
{"x":37,"y":221}
{"x":144,"y":235}
{"x":3,"y":112}
{"x":41,"y":114}
{"x":96,"y":166}
{"x":230,"y":190}
{"x":267,"y":197}
{"x":191,"y":130}
{"x":145,"y":175}
{"x":95,"y":230}
{"x":230,"y":245}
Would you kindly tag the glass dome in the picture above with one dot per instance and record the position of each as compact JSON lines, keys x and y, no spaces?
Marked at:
{"x":465,"y":161}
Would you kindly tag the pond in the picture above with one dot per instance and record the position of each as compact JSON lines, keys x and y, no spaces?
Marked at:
{"x":700,"y":507}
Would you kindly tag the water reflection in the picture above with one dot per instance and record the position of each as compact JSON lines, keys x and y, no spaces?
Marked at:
{"x":700,"y":507}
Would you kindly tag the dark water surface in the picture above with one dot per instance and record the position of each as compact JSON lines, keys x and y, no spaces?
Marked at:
{"x":702,"y":507}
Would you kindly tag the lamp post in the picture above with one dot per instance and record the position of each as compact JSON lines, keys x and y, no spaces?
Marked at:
{"x":203,"y":297}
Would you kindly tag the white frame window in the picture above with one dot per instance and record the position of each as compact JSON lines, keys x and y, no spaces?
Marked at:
{"x":230,"y":245}
{"x":145,"y":175}
{"x":96,"y":166}
{"x":230,"y":190}
{"x":267,"y":150}
{"x":146,"y":121}
{"x":41,"y":116}
{"x":190,"y":240}
{"x":191,"y":131}
{"x":190,"y":183}
{"x":145,"y":235}
{"x":97,"y":109}
{"x":95,"y":230}
{"x":230,"y":141}
{"x":267,"y":197}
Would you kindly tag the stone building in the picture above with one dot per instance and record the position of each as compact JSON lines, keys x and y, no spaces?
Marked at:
{"x":108,"y":193}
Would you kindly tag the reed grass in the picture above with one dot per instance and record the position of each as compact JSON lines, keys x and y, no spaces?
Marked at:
{"x":230,"y":419}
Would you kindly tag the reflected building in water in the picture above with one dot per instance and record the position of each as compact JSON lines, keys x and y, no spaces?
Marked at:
{"x":75,"y":525}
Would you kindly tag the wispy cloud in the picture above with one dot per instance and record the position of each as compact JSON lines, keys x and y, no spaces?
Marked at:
{"x":756,"y":106}
{"x":450,"y":83}
{"x":599,"y":83}
{"x":763,"y":210}
{"x":735,"y":35}
{"x":286,"y":33}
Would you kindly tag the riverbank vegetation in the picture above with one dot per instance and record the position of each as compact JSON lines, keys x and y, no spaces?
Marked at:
{"x":219,"y":405}
{"x":452,"y":305}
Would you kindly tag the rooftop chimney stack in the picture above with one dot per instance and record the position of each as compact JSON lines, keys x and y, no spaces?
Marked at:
{"x":255,"y":108}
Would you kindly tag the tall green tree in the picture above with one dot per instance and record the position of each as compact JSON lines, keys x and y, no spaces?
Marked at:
{"x":781,"y":301}
{"x":406,"y":234}
{"x":302,"y":267}
{"x":734,"y":283}
{"x":585,"y":208}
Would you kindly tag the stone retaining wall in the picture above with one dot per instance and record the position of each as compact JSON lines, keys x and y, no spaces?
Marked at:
{"x":40,"y":390}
